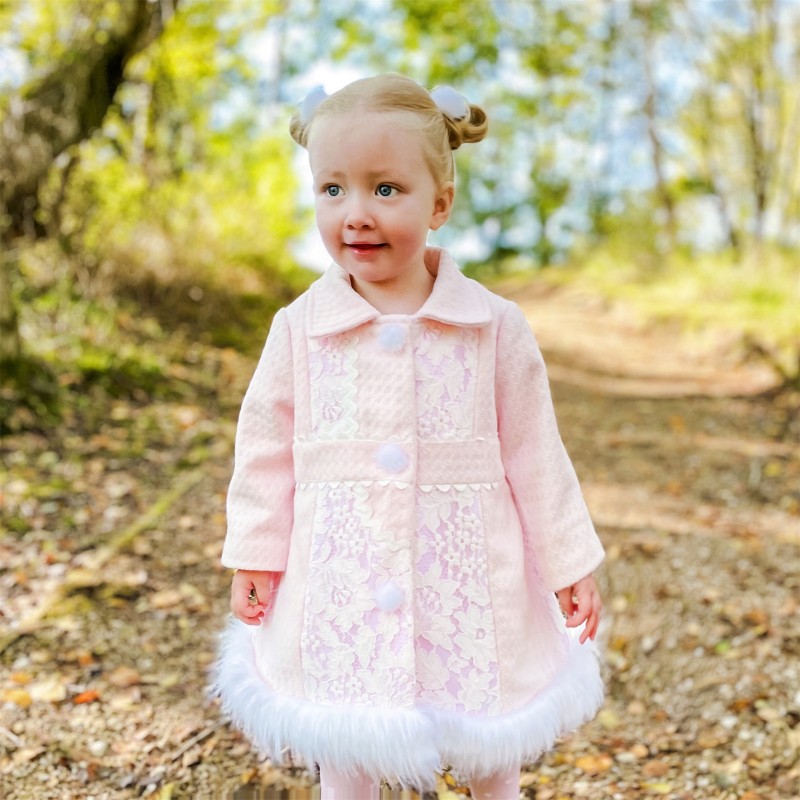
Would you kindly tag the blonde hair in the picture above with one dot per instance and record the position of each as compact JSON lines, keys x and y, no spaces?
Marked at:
{"x":396,"y":93}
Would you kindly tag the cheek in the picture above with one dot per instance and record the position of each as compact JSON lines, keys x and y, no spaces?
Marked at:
{"x":325,"y":219}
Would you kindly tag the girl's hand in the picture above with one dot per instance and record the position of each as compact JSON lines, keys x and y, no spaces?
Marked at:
{"x":253,"y":583}
{"x":581,"y":603}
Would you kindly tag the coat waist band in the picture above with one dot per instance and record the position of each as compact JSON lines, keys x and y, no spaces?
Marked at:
{"x":414,"y":462}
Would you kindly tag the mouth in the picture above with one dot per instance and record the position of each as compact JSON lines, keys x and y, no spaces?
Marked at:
{"x":365,"y":247}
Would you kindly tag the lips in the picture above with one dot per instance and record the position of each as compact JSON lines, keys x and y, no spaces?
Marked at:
{"x":365,"y":246}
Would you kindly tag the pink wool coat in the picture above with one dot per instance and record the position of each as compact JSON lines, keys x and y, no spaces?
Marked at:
{"x":406,"y":474}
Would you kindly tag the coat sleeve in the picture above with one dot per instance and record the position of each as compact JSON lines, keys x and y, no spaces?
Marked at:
{"x":555,"y":520}
{"x":260,"y":504}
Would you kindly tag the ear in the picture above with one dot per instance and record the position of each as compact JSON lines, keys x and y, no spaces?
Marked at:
{"x":443,"y":204}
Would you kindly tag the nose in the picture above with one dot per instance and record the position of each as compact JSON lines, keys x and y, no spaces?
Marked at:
{"x":359,"y":212}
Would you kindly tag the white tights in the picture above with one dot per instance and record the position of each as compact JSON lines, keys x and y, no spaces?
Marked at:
{"x":342,"y":786}
{"x":497,"y":786}
{"x":345,"y":786}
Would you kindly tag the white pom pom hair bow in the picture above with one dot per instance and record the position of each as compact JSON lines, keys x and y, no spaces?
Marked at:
{"x":310,"y":103}
{"x":450,"y":102}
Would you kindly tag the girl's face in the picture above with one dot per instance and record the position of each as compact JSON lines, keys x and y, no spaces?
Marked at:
{"x":375,"y":195}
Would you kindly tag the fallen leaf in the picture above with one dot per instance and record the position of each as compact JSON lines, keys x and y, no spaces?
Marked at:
{"x":594,"y":764}
{"x":756,"y":618}
{"x":167,"y":598}
{"x":708,"y":741}
{"x":742,"y":704}
{"x":130,"y":697}
{"x":247,"y":776}
{"x":677,"y":424}
{"x":169,"y":680}
{"x":124,"y":677}
{"x":767,"y":713}
{"x":528,"y":779}
{"x":194,"y":598}
{"x":27,"y":754}
{"x":608,"y":719}
{"x":190,"y":757}
{"x":655,"y":769}
{"x":166,"y":792}
{"x":50,"y":690}
{"x":636,"y":708}
{"x":85,"y":658}
{"x":84,"y":578}
{"x":657,"y":788}
{"x":19,"y":697}
{"x":89,"y":696}
{"x":444,"y":792}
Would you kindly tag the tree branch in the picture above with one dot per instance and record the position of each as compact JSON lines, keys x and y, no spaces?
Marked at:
{"x":67,"y":104}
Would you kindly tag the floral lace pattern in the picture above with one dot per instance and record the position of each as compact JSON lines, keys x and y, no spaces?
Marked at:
{"x":446,"y":363}
{"x":456,"y":650}
{"x":445,"y":652}
{"x":352,"y":651}
{"x":332,"y":374}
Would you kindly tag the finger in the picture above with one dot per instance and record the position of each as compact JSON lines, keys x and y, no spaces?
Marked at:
{"x":593,"y":623}
{"x":577,"y":619}
{"x":589,"y":629}
{"x":585,"y":614}
{"x":243,"y":610}
{"x":266,"y":589}
{"x":581,"y":611}
{"x":252,"y":615}
{"x":260,"y":589}
{"x":565,"y":601}
{"x":598,"y":615}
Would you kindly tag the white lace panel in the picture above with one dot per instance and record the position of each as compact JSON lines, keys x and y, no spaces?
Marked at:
{"x":456,"y":650}
{"x":354,"y":652}
{"x":332,"y":374}
{"x":446,"y":369}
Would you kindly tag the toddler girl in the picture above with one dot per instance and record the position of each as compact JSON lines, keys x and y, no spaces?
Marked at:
{"x":403,"y":517}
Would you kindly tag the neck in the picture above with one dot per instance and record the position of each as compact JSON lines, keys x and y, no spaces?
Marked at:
{"x":396,"y":297}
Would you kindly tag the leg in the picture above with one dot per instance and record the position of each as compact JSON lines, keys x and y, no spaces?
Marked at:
{"x":503,"y":785}
{"x":342,"y":786}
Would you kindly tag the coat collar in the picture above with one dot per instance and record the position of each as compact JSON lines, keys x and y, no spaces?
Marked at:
{"x":334,"y":306}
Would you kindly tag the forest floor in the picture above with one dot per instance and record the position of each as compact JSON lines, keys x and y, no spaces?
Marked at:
{"x":112,"y":595}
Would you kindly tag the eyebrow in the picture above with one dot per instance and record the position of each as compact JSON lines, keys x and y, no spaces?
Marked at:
{"x":374,"y":175}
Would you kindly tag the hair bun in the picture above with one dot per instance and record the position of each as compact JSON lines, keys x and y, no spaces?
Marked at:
{"x":471,"y":128}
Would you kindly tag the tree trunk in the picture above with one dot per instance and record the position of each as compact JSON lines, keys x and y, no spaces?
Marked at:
{"x":56,"y":110}
{"x":656,"y":147}
{"x":10,"y":347}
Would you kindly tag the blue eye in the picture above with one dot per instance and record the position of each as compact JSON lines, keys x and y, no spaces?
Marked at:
{"x":384,"y":190}
{"x":332,"y":191}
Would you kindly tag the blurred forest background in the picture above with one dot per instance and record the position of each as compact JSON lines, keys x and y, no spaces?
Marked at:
{"x":638,"y":195}
{"x":648,"y":146}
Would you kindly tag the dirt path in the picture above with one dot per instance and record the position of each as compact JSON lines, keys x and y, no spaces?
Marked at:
{"x":694,"y":496}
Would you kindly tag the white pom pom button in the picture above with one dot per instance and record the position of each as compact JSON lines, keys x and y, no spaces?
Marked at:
{"x":391,"y":458}
{"x":392,"y":337}
{"x":389,"y":597}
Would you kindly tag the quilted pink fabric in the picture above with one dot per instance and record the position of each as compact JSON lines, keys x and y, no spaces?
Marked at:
{"x":406,"y":474}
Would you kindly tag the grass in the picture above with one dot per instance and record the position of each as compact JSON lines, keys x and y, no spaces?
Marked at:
{"x":756,"y":299}
{"x":129,"y":334}
{"x":756,"y":296}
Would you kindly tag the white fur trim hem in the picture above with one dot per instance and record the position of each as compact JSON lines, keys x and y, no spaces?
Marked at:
{"x":402,"y":746}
